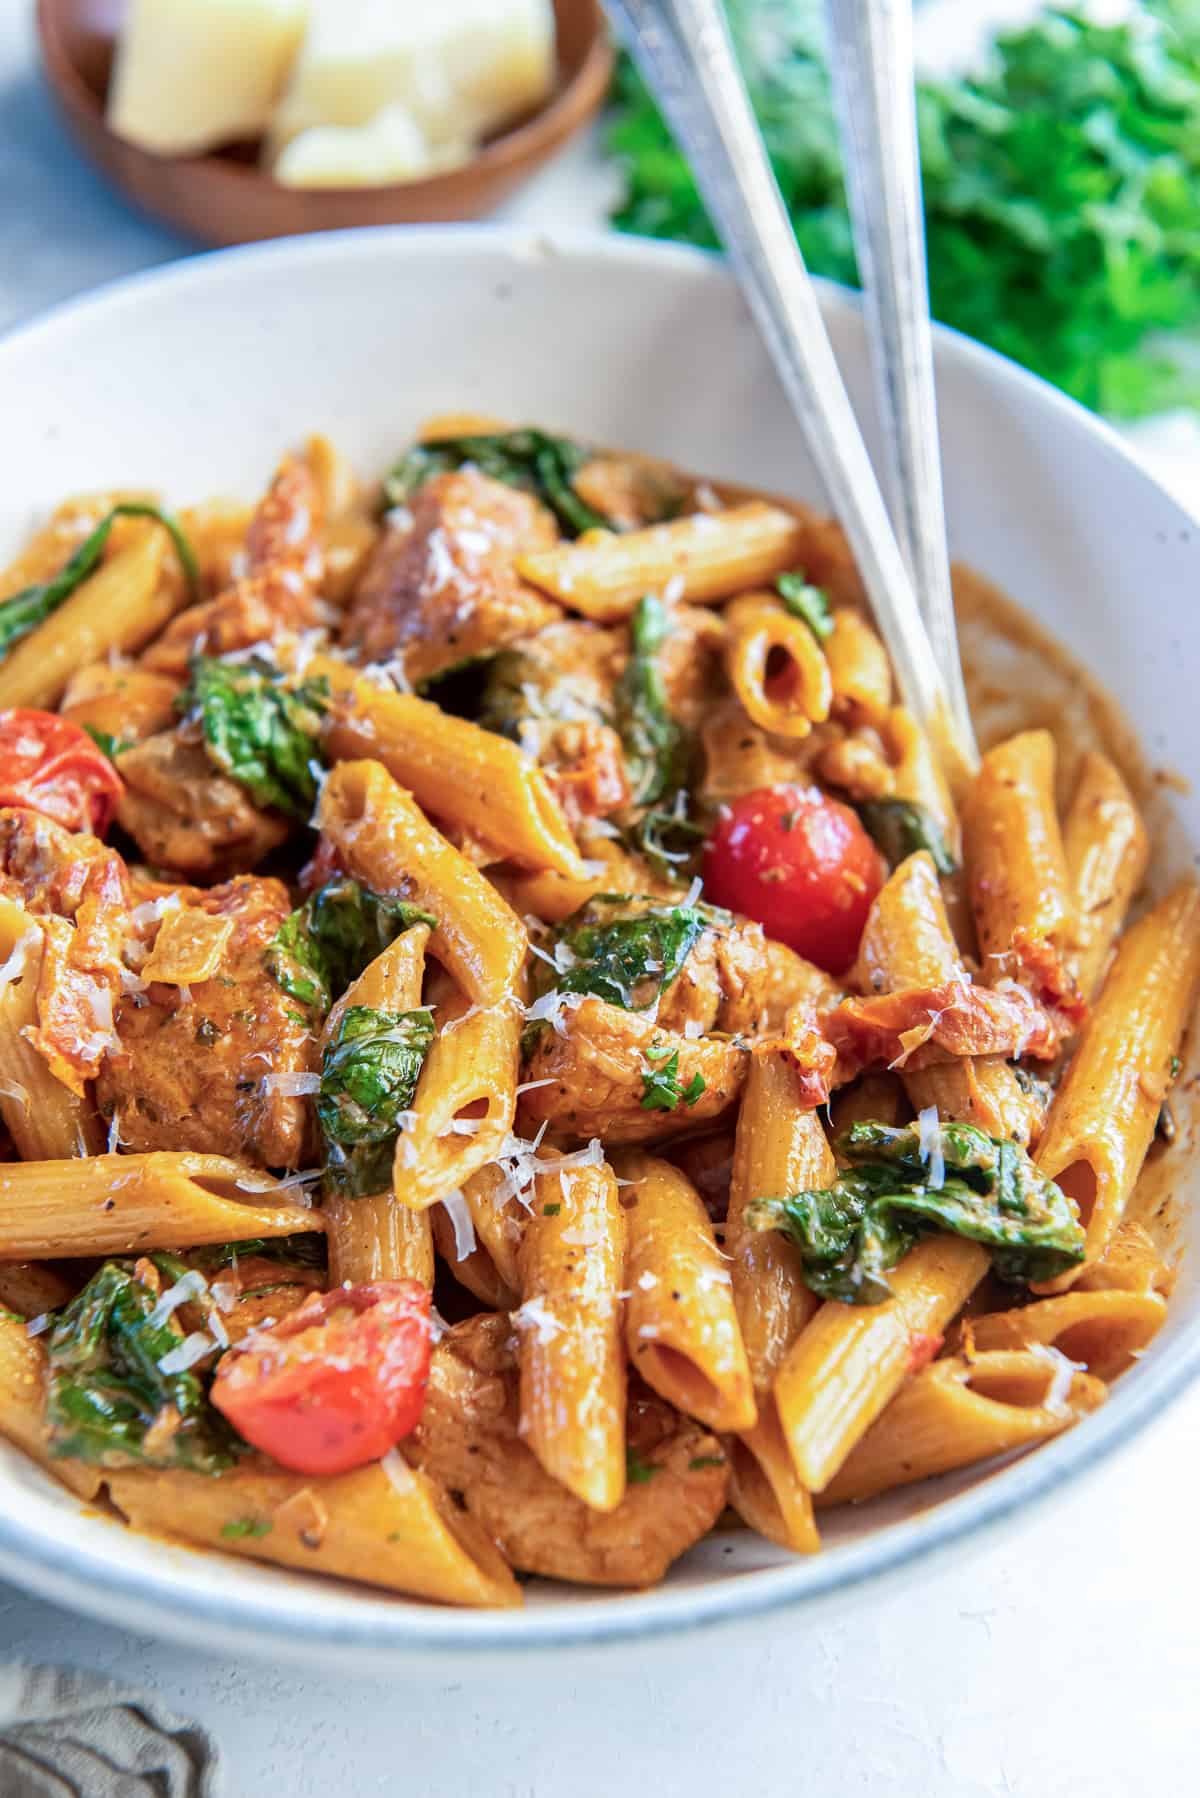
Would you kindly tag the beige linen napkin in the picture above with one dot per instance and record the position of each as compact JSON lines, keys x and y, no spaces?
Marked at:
{"x":67,"y":1734}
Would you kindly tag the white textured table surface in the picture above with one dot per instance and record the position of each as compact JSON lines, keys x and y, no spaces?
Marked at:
{"x":1059,"y":1663}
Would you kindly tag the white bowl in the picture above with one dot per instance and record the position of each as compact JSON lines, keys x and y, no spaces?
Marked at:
{"x":194,"y":380}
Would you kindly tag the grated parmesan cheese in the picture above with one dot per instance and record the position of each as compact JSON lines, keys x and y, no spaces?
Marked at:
{"x":12,"y":1089}
{"x":191,"y":1285}
{"x":458,"y":1211}
{"x":535,"y":1315}
{"x":291,"y":1085}
{"x":193,"y":1348}
{"x":13,"y":968}
{"x":1059,"y":1390}
{"x":37,"y":1324}
{"x":930,"y":1141}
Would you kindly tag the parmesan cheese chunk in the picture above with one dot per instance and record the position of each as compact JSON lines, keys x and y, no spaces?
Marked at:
{"x":391,"y":147}
{"x":193,"y":74}
{"x":459,"y":69}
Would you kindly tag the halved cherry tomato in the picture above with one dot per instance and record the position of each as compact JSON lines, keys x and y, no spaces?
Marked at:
{"x":336,"y":1384}
{"x":52,"y":766}
{"x":799,"y":863}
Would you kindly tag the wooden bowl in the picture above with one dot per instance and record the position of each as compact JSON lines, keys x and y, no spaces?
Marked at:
{"x":225,"y":198}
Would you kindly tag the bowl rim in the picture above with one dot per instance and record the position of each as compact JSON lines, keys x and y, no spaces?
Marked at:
{"x":38,"y":1557}
{"x":571,"y":104}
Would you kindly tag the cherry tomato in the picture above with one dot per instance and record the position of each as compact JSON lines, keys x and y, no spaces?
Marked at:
{"x":802,"y":865}
{"x":337,"y":1383}
{"x":52,"y":766}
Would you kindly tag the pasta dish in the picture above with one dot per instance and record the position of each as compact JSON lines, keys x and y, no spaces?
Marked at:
{"x":510,"y":1054}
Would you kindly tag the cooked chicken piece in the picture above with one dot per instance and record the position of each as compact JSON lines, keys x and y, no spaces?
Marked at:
{"x":79,"y":890}
{"x":738,"y":981}
{"x":633,"y":491}
{"x":739,"y":757}
{"x":198,"y":1066}
{"x":553,"y":694}
{"x":690,"y":661}
{"x":279,"y":591}
{"x":606,"y":1061}
{"x":921,"y":1027}
{"x":182,"y":813}
{"x":469,"y":1439}
{"x":254,"y":1293}
{"x":442,"y":588}
{"x":127,"y":704}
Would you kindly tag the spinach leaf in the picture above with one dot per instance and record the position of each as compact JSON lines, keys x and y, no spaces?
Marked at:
{"x":258,"y":730}
{"x":529,"y":459}
{"x":627,"y":951}
{"x":328,"y":941}
{"x":849,"y":1234}
{"x":657,"y":752}
{"x":661,"y":1090}
{"x":24,"y":611}
{"x":368,"y":1077}
{"x":806,"y":602}
{"x":899,"y":828}
{"x":305,"y":1250}
{"x":637,"y":1471}
{"x":109,"y":1401}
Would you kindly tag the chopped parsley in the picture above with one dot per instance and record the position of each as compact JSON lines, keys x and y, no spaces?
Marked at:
{"x":238,"y":1527}
{"x":551,"y":1210}
{"x":806,"y":602}
{"x":850,"y":1234}
{"x":105,"y":741}
{"x":637,"y":1471}
{"x":661,"y":1090}
{"x":699,"y":1462}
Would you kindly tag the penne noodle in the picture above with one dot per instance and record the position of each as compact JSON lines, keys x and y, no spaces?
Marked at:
{"x":916,"y":775}
{"x":705,"y":556}
{"x":681,"y":1325}
{"x":1017,"y":872}
{"x":780,"y":1148}
{"x":120,"y":607}
{"x":570,"y":1354}
{"x":385,"y":1524}
{"x":848,"y":1364}
{"x":1106,"y":849}
{"x":387,"y":843}
{"x":453,"y":768}
{"x":498,"y":1222}
{"x":908,"y":942}
{"x":958,"y":1412}
{"x":23,"y":1408}
{"x":1130,"y":1263}
{"x":374,"y":1237}
{"x":1104,"y":1113}
{"x":464,"y":1106}
{"x":130,"y":1204}
{"x":46,"y":1120}
{"x":775,"y":666}
{"x":859,"y":671}
{"x":1103,"y":1331}
{"x":473,"y":1267}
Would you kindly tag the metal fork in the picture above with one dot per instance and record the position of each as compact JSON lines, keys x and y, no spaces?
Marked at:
{"x":684,"y":53}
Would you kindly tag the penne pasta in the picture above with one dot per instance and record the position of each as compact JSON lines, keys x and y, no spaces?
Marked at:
{"x":23,"y":1408}
{"x":707,"y":556}
{"x":128,"y":599}
{"x":1103,"y":1331}
{"x":498,"y":1221}
{"x":1106,"y":849}
{"x":570,"y":1354}
{"x":472,"y":1266}
{"x":387,"y":1525}
{"x":958,"y":1412}
{"x":129,"y":1204}
{"x":46,"y":1120}
{"x":454,"y":769}
{"x":775,"y":666}
{"x":1017,"y":872}
{"x":387,"y":843}
{"x":859,"y":671}
{"x":464,"y":1107}
{"x":681,"y":1325}
{"x":1104,"y":1113}
{"x":847,"y":1365}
